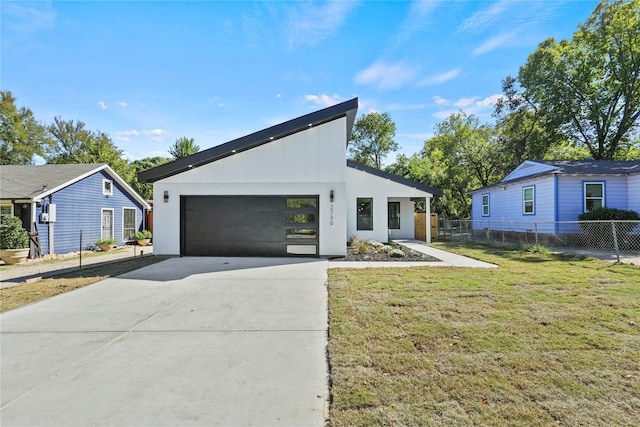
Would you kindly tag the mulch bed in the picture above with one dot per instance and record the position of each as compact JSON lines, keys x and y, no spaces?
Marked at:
{"x":372,"y":255}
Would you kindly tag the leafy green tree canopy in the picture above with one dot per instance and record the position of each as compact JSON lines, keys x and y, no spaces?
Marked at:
{"x":183,"y":147}
{"x":589,"y":87}
{"x":145,"y":190}
{"x":21,"y":136}
{"x":76,"y":144}
{"x":372,"y":139}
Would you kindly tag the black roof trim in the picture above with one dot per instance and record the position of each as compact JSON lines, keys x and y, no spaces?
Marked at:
{"x":348,"y":108}
{"x":395,"y":178}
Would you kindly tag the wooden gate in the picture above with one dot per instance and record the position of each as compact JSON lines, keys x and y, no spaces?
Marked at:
{"x":420,"y":226}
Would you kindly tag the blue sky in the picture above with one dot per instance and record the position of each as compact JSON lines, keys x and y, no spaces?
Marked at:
{"x":148,"y":72}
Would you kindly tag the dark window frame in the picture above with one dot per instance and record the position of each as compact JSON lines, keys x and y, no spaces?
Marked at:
{"x":393,"y":223}
{"x":364,"y":214}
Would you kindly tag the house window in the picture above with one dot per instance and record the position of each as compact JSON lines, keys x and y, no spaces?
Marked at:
{"x":128,"y":224}
{"x":107,"y":187}
{"x":6,"y":210}
{"x":528,"y":200}
{"x":393,"y":215}
{"x":485,"y":205}
{"x":364,"y":207}
{"x":593,"y":195}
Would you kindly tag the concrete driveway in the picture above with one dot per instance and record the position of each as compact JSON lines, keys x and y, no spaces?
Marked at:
{"x":185,"y":342}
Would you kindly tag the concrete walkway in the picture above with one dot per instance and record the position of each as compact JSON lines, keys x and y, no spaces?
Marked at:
{"x":185,"y":342}
{"x":446,"y":259}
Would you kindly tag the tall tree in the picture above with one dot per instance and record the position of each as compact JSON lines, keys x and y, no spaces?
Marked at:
{"x":519,"y":128}
{"x":462,"y":156}
{"x":76,"y":144}
{"x":21,"y":136}
{"x":183,"y":147}
{"x":146,"y":190}
{"x":589,"y":87}
{"x":372,"y":139}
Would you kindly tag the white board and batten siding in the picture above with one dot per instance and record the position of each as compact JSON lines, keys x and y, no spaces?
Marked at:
{"x":365,"y":185}
{"x":305,"y":163}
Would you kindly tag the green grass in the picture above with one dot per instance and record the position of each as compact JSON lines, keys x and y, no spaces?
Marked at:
{"x":28,"y":293}
{"x":542,"y":340}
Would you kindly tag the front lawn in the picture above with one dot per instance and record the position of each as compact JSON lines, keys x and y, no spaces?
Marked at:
{"x":541,"y":340}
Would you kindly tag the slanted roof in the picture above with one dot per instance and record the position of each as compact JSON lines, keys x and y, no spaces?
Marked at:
{"x":34,"y":182}
{"x":395,"y":178}
{"x":594,"y":167}
{"x":571,"y":167}
{"x":346,"y":109}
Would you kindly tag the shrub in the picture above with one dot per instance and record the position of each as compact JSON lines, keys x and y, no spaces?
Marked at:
{"x":396,"y":253}
{"x":142,"y":235}
{"x":12,"y":235}
{"x":105,"y":241}
{"x":605,"y":213}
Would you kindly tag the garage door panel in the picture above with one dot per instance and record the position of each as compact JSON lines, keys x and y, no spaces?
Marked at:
{"x":245,"y":226}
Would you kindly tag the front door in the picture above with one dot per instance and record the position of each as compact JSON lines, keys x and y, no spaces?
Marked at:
{"x":107,"y":223}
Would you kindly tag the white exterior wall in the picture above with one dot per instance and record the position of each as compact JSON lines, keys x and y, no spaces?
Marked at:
{"x":311,"y":162}
{"x":361,"y":184}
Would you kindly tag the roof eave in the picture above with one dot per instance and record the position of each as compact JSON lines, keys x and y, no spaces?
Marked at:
{"x":346,"y":109}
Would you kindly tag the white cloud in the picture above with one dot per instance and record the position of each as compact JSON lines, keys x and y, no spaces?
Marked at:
{"x":278,"y":95}
{"x":495,"y":42}
{"x":471,"y":105}
{"x":440,"y":78}
{"x":440,"y":101}
{"x":486,"y":17}
{"x":123,"y":104}
{"x":489,"y":101}
{"x":417,"y":20}
{"x":29,"y":17}
{"x":464,"y":102}
{"x":387,"y":76}
{"x":156,"y":135}
{"x":310,"y":23}
{"x":102,"y":105}
{"x":323,"y":100}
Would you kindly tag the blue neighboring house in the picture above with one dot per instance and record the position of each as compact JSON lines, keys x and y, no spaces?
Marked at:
{"x":548,"y":191}
{"x":61,"y":200}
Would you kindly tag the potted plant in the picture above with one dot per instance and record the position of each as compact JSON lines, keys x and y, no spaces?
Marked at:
{"x":105,"y":244}
{"x":143,"y":237}
{"x":14,"y":240}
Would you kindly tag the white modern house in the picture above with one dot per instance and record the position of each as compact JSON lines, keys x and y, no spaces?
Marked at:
{"x":285,"y":190}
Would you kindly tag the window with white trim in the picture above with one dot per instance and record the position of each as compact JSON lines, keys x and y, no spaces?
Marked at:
{"x":528,"y":200}
{"x":128,"y":223}
{"x":593,"y":195}
{"x":485,"y":204}
{"x":107,"y":187}
{"x":6,"y":209}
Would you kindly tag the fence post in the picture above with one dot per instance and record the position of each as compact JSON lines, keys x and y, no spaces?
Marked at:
{"x":535,"y":225}
{"x":615,"y":239}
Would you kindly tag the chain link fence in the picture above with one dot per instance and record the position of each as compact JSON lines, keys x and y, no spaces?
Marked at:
{"x":602,"y":239}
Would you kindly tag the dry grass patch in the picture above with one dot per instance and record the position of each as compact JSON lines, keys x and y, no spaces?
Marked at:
{"x":27,"y":293}
{"x":542,"y":340}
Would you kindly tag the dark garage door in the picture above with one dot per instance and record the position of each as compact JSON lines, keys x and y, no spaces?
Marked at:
{"x":249,"y":225}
